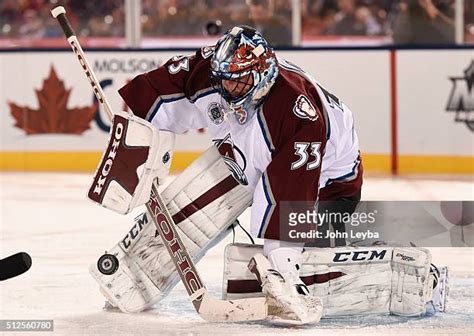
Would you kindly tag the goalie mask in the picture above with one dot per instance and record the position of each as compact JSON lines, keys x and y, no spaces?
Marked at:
{"x":243,"y":70}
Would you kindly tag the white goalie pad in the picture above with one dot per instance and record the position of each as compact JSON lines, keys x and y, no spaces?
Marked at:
{"x":136,"y":154}
{"x":204,"y":201}
{"x":350,"y":280}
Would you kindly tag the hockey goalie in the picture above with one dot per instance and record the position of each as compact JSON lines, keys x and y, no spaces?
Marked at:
{"x":278,"y":136}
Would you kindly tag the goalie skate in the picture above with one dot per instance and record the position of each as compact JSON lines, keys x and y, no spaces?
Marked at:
{"x":440,"y":288}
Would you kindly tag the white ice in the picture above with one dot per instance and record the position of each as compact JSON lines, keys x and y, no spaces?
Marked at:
{"x":48,"y":216}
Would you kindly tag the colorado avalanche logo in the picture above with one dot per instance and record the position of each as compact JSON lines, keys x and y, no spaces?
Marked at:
{"x":228,"y":151}
{"x":215,"y":111}
{"x":304,"y":109}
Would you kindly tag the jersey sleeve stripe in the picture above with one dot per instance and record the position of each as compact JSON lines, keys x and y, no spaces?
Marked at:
{"x":175,"y":97}
{"x":270,"y":205}
{"x":347,"y":177}
{"x":327,"y":122}
{"x":161,"y":100}
{"x":202,"y":93}
{"x":265,"y":132}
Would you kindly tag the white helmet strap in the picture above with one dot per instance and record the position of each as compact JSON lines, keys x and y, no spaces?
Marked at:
{"x":258,"y":50}
{"x":235,"y":31}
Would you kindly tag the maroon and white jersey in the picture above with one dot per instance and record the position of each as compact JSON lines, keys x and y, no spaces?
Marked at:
{"x":300,"y":145}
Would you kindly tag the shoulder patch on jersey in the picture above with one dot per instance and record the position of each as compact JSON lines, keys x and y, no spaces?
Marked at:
{"x":304,"y":109}
{"x":206,"y":52}
{"x":215,"y":111}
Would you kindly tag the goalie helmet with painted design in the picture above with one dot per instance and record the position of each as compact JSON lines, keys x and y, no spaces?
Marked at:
{"x":243,"y":70}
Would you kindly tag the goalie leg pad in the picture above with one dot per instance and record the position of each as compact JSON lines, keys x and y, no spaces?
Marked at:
{"x":411,"y":284}
{"x":204,"y":201}
{"x":350,"y":280}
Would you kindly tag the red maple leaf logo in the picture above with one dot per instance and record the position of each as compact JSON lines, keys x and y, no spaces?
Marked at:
{"x":53,"y":116}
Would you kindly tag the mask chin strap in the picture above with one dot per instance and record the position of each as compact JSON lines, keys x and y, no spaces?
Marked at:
{"x":241,"y":114}
{"x":231,"y":110}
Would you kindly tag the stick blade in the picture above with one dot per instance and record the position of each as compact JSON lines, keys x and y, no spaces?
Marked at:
{"x":214,"y":310}
{"x":14,"y":265}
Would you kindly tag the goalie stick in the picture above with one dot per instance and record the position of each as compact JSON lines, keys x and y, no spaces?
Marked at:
{"x":14,"y":265}
{"x":208,"y":307}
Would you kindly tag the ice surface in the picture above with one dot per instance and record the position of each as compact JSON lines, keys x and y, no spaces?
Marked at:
{"x":48,"y":216}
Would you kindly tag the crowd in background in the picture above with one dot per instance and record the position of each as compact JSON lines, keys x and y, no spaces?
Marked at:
{"x":32,"y":18}
{"x":406,"y":21}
